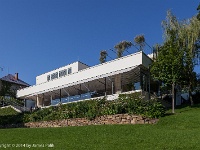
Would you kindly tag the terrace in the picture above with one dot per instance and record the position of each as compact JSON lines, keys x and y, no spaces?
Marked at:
{"x":128,"y":73}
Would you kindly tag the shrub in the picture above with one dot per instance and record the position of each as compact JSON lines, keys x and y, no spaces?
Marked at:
{"x":10,"y":116}
{"x":134,"y":104}
{"x":126,"y":103}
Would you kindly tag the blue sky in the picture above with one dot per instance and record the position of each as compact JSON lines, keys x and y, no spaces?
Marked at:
{"x":37,"y":36}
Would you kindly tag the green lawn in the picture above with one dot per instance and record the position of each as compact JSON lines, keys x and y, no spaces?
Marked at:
{"x":179,"y":131}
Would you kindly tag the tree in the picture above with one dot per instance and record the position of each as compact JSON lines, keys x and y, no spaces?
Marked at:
{"x":168,"y":66}
{"x":198,"y":15}
{"x":6,"y":89}
{"x":140,"y":40}
{"x":198,"y":82}
{"x":103,"y":55}
{"x":183,"y":38}
{"x":189,"y":39}
{"x":156,"y":48}
{"x":121,"y":47}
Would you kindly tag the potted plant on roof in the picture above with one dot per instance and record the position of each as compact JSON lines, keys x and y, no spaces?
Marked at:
{"x":140,"y":40}
{"x":121,"y":47}
{"x":103,"y":55}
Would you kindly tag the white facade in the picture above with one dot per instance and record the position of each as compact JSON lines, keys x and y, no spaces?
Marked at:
{"x":86,"y":79}
{"x":60,"y":72}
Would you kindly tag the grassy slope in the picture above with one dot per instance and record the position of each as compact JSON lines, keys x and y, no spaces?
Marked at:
{"x":179,"y":131}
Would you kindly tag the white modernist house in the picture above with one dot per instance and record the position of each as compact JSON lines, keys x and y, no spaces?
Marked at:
{"x":78,"y":81}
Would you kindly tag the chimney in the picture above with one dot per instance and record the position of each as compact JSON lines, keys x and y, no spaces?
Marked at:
{"x":16,"y":76}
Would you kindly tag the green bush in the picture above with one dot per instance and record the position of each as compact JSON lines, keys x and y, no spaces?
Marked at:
{"x":10,"y":116}
{"x":126,"y":103}
{"x":134,"y":104}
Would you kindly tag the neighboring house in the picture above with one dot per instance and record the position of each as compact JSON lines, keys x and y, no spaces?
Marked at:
{"x":78,"y":81}
{"x":9,"y":85}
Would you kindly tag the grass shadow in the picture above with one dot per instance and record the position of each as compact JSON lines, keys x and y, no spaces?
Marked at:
{"x":12,"y":121}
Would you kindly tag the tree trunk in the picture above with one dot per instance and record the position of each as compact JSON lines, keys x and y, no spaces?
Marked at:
{"x":173,"y":97}
{"x":190,"y":94}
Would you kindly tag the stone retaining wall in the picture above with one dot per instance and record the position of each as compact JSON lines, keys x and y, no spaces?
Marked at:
{"x":109,"y":119}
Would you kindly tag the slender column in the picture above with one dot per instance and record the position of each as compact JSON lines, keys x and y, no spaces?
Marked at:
{"x":105,"y":86}
{"x":141,"y":81}
{"x":112,"y":85}
{"x":39,"y":101}
{"x":24,"y":104}
{"x":146,"y":82}
{"x":67,"y":94}
{"x":51,"y":99}
{"x":43,"y":100}
{"x":60,"y":96}
{"x":86,"y":87}
{"x":149,"y":84}
{"x":112,"y":88}
{"x":118,"y":85}
{"x":36,"y":102}
{"x":80,"y":91}
{"x":121,"y":85}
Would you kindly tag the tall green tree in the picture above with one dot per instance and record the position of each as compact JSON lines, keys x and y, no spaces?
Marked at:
{"x":181,"y":46}
{"x":121,"y":47}
{"x":189,"y":41}
{"x":168,"y":66}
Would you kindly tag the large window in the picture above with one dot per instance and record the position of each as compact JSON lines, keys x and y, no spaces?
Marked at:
{"x":54,"y":75}
{"x":62,"y":72}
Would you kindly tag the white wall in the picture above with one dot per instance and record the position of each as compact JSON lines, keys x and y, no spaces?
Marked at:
{"x":146,"y":61}
{"x":76,"y":66}
{"x":82,"y":66}
{"x":150,"y":55}
{"x":85,"y":74}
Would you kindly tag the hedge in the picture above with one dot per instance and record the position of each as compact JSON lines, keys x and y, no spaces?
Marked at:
{"x":126,"y":103}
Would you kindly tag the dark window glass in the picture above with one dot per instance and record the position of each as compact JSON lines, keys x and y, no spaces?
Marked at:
{"x":48,"y":77}
{"x":54,"y":75}
{"x":62,"y":73}
{"x":69,"y":70}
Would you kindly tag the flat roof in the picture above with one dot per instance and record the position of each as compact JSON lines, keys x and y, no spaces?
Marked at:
{"x":91,"y":78}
